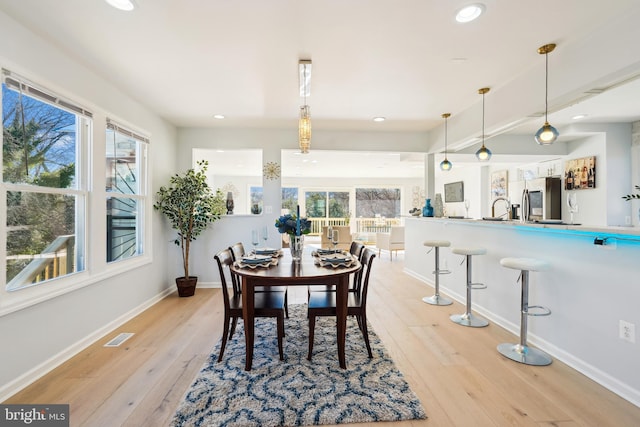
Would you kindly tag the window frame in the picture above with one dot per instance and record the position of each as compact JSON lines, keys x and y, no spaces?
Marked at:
{"x":141,"y":196}
{"x":90,"y":172}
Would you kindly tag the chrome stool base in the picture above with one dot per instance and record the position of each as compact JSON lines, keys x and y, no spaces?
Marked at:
{"x":469,"y":319}
{"x":525,"y":354}
{"x":437,"y":300}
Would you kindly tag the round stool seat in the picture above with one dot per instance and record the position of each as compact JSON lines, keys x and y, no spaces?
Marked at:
{"x":469,"y":251}
{"x":437,"y":243}
{"x":527,"y":264}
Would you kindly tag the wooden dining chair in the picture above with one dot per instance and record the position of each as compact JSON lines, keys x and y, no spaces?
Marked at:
{"x":324,"y":303}
{"x":237,"y":252}
{"x":267,"y":304}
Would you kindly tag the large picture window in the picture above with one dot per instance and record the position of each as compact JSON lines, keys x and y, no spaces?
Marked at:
{"x":126,"y":191}
{"x":378,"y":202}
{"x":44,"y":145}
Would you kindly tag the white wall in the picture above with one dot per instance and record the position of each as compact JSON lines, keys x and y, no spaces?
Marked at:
{"x":35,"y":338}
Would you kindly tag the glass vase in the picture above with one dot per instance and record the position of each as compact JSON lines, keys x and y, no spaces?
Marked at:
{"x":296,"y":245}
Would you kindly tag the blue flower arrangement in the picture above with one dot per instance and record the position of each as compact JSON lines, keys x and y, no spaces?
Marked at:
{"x":288,"y":224}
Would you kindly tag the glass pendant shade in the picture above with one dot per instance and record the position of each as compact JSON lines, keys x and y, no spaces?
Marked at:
{"x":547,"y":134}
{"x":483,"y":154}
{"x":304,"y":129}
{"x":445,"y":165}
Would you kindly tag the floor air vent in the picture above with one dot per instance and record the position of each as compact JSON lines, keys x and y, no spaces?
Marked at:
{"x":119,"y":339}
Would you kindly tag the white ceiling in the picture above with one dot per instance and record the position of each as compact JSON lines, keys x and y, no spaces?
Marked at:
{"x":406,"y":60}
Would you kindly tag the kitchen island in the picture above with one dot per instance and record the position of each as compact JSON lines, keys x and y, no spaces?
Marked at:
{"x":593,"y":284}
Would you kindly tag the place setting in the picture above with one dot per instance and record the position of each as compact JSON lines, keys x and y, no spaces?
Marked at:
{"x":335,"y":260}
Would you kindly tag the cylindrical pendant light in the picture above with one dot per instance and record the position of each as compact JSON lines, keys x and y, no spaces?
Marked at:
{"x":304,"y":122}
{"x":483,"y":154}
{"x":445,"y":165}
{"x":547,"y":134}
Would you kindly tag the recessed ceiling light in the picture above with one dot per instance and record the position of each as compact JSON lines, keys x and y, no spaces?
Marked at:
{"x":470,"y":12}
{"x":218,"y":116}
{"x":126,"y":5}
{"x":379,"y":119}
{"x":579,"y":116}
{"x":459,"y":60}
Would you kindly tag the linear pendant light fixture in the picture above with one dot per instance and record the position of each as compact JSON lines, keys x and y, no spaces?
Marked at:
{"x":547,"y":134}
{"x":483,"y":154}
{"x":445,"y":165}
{"x":304,"y":123}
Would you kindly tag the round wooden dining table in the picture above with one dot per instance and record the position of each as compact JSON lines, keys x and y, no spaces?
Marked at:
{"x":288,"y":273}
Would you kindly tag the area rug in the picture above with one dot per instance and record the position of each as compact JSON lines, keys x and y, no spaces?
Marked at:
{"x":297,"y":392}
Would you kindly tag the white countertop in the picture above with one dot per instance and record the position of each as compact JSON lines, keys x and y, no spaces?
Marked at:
{"x":562,"y":227}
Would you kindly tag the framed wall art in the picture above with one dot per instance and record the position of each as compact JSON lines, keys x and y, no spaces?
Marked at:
{"x":454,"y":192}
{"x":580,"y":174}
{"x":499,"y":184}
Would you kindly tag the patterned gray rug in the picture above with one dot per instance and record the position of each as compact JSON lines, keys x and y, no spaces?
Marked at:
{"x":296,"y":392}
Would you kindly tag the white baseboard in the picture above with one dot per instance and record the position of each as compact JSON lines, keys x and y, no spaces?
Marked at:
{"x":47,"y":366}
{"x":607,"y":381}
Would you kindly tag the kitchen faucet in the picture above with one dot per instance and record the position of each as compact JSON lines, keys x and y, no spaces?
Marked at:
{"x":493,"y":207}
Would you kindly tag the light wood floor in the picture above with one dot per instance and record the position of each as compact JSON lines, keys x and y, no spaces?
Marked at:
{"x":456,"y":371}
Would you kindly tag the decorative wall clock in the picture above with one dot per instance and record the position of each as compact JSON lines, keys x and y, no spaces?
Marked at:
{"x":271,"y":170}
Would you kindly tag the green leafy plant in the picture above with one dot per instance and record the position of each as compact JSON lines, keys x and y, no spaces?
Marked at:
{"x":190,"y":205}
{"x":632,"y":196}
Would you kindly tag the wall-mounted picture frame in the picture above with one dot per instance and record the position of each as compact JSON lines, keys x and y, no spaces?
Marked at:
{"x":499,"y":184}
{"x":454,"y":192}
{"x":580,"y":174}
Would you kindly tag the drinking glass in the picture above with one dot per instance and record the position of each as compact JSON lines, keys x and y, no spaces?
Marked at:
{"x":572,"y":202}
{"x":254,"y":240}
{"x":265,"y":235}
{"x":334,"y":239}
{"x":466,"y":206}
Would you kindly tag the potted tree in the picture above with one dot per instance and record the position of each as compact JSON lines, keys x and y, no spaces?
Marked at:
{"x":190,"y":205}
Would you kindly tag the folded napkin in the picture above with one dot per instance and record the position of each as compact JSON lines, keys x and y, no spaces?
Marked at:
{"x":335,"y":260}
{"x":321,"y":252}
{"x":268,"y":251}
{"x":257,"y":261}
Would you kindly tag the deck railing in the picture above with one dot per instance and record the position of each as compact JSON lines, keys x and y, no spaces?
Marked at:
{"x":55,"y":260}
{"x":364,"y":229}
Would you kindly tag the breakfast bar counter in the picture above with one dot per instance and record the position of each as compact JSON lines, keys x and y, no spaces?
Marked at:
{"x":593,"y":283}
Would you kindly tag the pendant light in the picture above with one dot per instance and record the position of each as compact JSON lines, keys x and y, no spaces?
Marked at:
{"x":445,"y":165}
{"x":547,"y":134}
{"x":483,"y":154}
{"x":304,"y":122}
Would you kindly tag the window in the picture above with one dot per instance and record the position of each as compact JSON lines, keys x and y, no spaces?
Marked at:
{"x":256,"y":194}
{"x":290,"y":198}
{"x":126,"y":191}
{"x":327,"y":204}
{"x":383,"y":202}
{"x":43,"y":183}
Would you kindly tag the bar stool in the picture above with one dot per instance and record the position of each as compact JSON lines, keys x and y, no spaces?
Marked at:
{"x":436,"y":299}
{"x":468,"y":318}
{"x":522,"y":352}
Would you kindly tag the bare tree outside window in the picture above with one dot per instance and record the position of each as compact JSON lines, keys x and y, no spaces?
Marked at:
{"x":383,"y":202}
